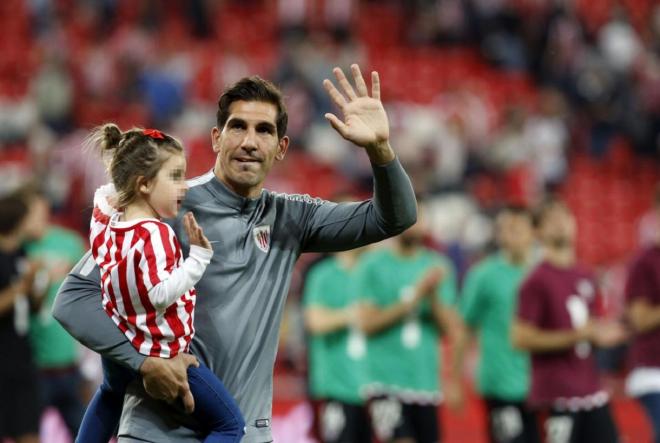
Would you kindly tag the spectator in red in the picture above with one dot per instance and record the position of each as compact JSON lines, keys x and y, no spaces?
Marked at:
{"x":643,"y":312}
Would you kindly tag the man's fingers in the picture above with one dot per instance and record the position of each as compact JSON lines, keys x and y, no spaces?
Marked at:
{"x":335,"y":95}
{"x":345,"y":85}
{"x":337,"y":124}
{"x":375,"y":85}
{"x":190,"y":360}
{"x":360,"y":85}
{"x":188,"y":400}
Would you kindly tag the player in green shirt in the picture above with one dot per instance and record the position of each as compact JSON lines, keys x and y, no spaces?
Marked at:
{"x":55,"y":351}
{"x":407,"y":293}
{"x":337,"y":349}
{"x":488,"y":305}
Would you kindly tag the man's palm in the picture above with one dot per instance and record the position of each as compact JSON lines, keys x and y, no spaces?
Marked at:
{"x":365,"y":121}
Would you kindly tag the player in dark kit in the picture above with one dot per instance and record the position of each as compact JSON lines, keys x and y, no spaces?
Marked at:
{"x":556,"y":323}
{"x":643,"y":310}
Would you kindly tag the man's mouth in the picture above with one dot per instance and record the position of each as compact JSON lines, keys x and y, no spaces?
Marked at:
{"x":247,"y":160}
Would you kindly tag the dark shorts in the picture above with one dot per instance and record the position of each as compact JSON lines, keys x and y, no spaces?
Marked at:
{"x":340,"y":422}
{"x":511,"y":422}
{"x":391,"y":419}
{"x":20,"y":409}
{"x":595,"y":425}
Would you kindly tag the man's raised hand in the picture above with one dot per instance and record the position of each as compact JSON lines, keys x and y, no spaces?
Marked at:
{"x":365,"y":121}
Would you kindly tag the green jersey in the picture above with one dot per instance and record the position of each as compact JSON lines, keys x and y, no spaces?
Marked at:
{"x":488,"y":304}
{"x":53,"y":347}
{"x":404,"y":359}
{"x":336,"y":359}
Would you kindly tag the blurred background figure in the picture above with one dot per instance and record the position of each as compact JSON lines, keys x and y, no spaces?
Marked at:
{"x":20,"y":290}
{"x":56,"y":353}
{"x":643,"y":309}
{"x":407,"y":293}
{"x":337,"y":349}
{"x":488,"y":304}
{"x":492,"y":103}
{"x":557,"y":323}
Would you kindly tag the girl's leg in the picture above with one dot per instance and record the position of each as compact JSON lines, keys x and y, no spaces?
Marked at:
{"x":215,"y":408}
{"x":104,"y":410}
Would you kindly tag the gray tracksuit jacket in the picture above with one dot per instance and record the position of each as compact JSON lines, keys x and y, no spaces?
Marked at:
{"x":241,"y":296}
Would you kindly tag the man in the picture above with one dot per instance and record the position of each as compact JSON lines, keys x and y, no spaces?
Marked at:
{"x":260,"y":235}
{"x":556,"y":324}
{"x":488,"y":304}
{"x":643,"y":311}
{"x":336,"y":349}
{"x":19,"y":403}
{"x":407,"y":293}
{"x":55,"y":351}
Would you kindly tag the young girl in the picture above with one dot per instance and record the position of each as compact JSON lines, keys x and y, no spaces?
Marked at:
{"x":147,"y":286}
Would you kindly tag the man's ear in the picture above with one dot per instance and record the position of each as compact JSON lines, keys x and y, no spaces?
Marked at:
{"x":215,"y":139}
{"x":282,"y":147}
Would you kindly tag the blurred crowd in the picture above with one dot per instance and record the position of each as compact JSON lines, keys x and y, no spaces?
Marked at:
{"x":501,"y":92}
{"x":490,"y":102}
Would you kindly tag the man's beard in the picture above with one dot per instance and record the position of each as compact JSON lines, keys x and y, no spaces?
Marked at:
{"x":560,"y":242}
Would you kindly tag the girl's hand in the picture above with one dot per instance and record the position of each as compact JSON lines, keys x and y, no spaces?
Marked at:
{"x":195,"y":234}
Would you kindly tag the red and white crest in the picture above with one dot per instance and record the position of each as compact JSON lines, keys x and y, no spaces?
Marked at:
{"x":261,"y":235}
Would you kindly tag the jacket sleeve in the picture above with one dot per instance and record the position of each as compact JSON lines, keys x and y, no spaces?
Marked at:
{"x":79,"y":310}
{"x":332,"y":226}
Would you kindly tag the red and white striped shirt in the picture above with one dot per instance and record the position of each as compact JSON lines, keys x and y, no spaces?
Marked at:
{"x":148,"y":289}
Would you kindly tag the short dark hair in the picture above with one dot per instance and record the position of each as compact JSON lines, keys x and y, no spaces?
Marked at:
{"x":547,"y":205}
{"x":251,"y":89}
{"x":516,"y":209}
{"x":15,"y":207}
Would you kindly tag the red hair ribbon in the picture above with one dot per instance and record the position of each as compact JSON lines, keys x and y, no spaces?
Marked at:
{"x":154,"y":133}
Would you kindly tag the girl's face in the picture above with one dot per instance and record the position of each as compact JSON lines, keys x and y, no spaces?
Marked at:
{"x":166,"y":191}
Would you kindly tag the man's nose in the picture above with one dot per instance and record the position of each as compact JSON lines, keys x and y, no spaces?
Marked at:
{"x":249,"y":142}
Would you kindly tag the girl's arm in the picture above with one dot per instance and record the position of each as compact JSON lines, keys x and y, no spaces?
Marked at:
{"x":165,"y":282}
{"x":181,"y":279}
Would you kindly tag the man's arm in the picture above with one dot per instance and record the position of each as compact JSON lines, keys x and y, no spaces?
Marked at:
{"x":451,"y":324}
{"x":332,"y":227}
{"x":643,"y":316}
{"x":8,"y":296}
{"x":372,"y":319}
{"x":527,"y":331}
{"x":79,"y":310}
{"x":640,"y":290}
{"x":472,"y":305}
{"x":600,"y":333}
{"x":528,"y":337}
{"x":320,"y":320}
